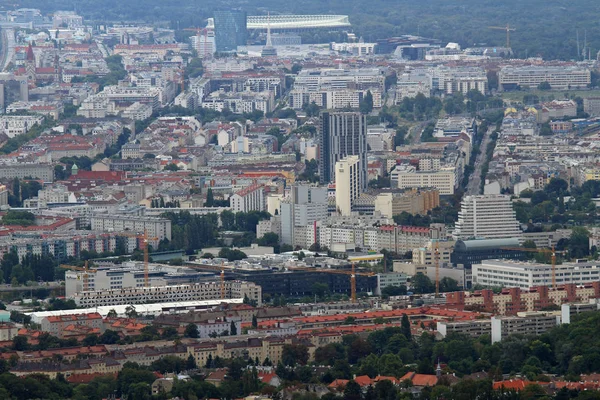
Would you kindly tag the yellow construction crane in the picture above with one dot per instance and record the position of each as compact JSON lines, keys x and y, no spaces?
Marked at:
{"x":144,"y":246}
{"x":508,"y":30}
{"x":544,"y":251}
{"x":352,"y":274}
{"x":85,"y":270}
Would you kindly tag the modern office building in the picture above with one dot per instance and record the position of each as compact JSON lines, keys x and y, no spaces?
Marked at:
{"x":230,"y":30}
{"x":342,"y":134}
{"x":525,"y":275}
{"x":305,"y":206}
{"x":486,"y":217}
{"x":559,"y":77}
{"x":469,"y":252}
{"x":347,"y":183}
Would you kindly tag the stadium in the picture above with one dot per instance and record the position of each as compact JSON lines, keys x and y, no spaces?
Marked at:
{"x":296,"y":22}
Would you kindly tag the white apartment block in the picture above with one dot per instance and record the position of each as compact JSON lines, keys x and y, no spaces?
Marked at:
{"x":486,"y":217}
{"x":399,"y":239}
{"x":137,"y":111}
{"x":169,"y":294}
{"x":407,"y":177}
{"x":94,"y":106}
{"x":241,"y":102}
{"x":320,"y":79}
{"x":105,"y":278}
{"x":186,"y":100}
{"x":154,"y":227}
{"x":347,"y":183}
{"x":505,"y":273}
{"x":218,"y":65}
{"x":251,"y":198}
{"x":333,"y":99}
{"x":357,"y":49}
{"x":559,"y":77}
{"x":411,"y":83}
{"x":459,"y":79}
{"x":14,"y":125}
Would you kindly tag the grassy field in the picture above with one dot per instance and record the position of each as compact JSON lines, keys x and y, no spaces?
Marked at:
{"x":549,"y":95}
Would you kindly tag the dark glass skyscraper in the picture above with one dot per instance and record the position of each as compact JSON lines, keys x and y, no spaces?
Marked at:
{"x":342,"y":134}
{"x":230,"y":29}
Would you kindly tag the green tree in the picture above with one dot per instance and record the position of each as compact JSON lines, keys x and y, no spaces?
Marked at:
{"x":405,"y":327}
{"x":210,"y":199}
{"x":422,"y":284}
{"x":366,"y":104}
{"x":171,"y":167}
{"x":579,"y":242}
{"x":232,"y":329}
{"x":293,"y":354}
{"x":544,"y":86}
{"x":191,"y":331}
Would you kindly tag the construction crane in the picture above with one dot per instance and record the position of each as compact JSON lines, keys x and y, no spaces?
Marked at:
{"x":506,"y":28}
{"x":352,"y":274}
{"x":85,"y":270}
{"x":144,"y":247}
{"x":552,"y":253}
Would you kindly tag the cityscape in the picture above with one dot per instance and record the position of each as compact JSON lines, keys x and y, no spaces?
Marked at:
{"x":245,"y":203}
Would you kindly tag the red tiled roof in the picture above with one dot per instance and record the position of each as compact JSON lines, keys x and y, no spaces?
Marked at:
{"x":420,"y":379}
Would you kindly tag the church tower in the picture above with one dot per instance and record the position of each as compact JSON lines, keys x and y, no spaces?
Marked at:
{"x":30,"y":65}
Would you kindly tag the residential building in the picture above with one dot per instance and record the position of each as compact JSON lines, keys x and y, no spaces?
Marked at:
{"x":14,"y":125}
{"x":510,"y":301}
{"x":342,"y":134}
{"x":525,"y":324}
{"x":407,"y":177}
{"x":44,"y":172}
{"x":305,"y":206}
{"x":55,"y":325}
{"x":486,"y":217}
{"x":348,"y":183}
{"x":415,"y":201}
{"x":154,"y":227}
{"x":251,"y":198}
{"x":386,"y":279}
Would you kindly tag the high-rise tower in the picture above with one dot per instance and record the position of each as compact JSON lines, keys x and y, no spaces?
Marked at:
{"x":342,"y":134}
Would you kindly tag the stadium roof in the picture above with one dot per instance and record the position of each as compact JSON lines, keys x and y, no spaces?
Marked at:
{"x":297,"y":21}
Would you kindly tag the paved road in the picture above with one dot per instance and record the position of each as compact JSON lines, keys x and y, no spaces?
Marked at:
{"x":473,"y":187}
{"x":415,"y":132}
{"x":8,"y":47}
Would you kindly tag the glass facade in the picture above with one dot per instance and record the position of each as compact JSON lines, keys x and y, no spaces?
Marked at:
{"x":230,"y":30}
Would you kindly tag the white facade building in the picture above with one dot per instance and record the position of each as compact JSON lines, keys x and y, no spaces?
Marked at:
{"x":154,"y":227}
{"x":347,"y":183}
{"x":504,"y":273}
{"x":486,"y":217}
{"x":251,"y":198}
